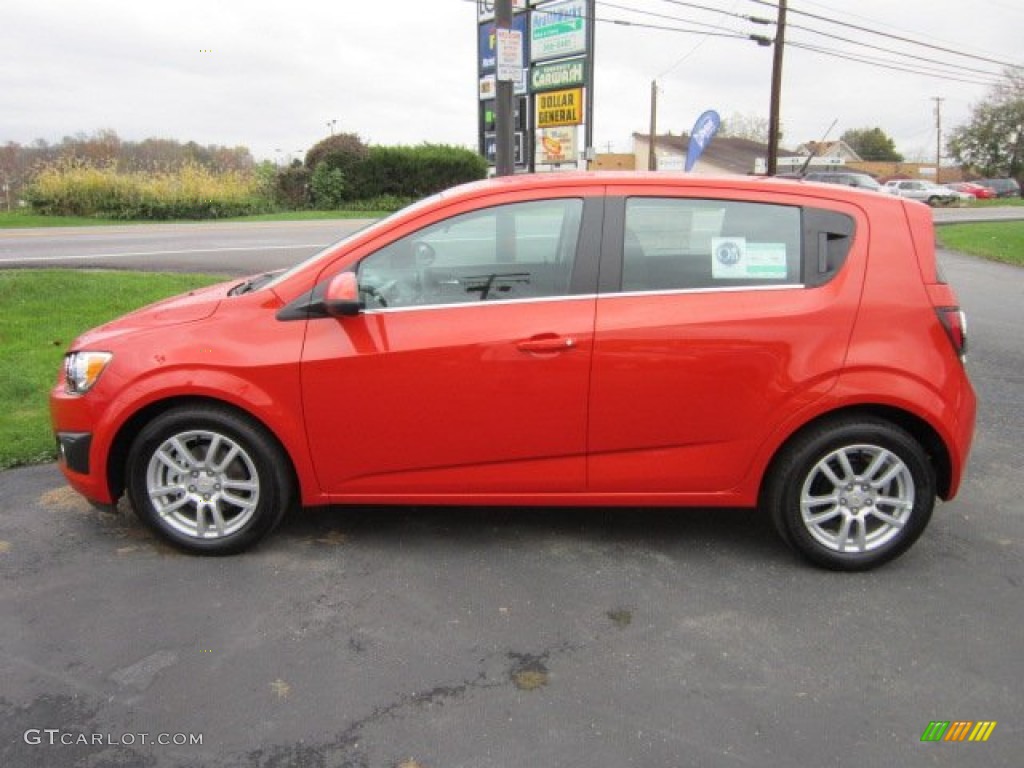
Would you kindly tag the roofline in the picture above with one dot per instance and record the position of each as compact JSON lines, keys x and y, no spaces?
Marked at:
{"x":579,"y":179}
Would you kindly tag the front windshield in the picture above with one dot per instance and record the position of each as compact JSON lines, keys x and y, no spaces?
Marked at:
{"x":369,"y":229}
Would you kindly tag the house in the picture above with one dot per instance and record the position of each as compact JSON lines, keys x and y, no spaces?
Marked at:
{"x":724,"y":155}
{"x":838,"y":152}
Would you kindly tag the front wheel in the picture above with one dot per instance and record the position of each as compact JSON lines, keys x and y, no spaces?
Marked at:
{"x":208,"y":480}
{"x":852,"y":494}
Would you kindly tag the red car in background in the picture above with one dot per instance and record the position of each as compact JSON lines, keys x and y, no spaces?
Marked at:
{"x":578,"y":340}
{"x":980,"y":192}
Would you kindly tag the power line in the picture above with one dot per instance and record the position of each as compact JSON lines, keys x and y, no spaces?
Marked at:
{"x":951,"y":68}
{"x":899,"y":38}
{"x":888,"y":64}
{"x":927,"y":68}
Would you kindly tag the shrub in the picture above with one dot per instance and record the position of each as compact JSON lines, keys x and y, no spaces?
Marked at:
{"x":76,"y":188}
{"x":414,"y":172}
{"x":340,"y":152}
{"x":328,"y":186}
{"x":292,"y":187}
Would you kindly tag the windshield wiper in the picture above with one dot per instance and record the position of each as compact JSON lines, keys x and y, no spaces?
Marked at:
{"x":253,"y":283}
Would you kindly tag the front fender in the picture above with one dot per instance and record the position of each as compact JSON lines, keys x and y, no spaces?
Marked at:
{"x":275,"y":403}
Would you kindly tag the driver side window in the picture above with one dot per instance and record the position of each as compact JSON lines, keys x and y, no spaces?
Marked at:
{"x":514,"y":251}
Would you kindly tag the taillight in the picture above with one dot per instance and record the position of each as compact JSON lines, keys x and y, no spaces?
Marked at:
{"x":955,"y":322}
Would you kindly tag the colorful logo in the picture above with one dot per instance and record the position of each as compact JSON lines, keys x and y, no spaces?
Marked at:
{"x":958,"y":730}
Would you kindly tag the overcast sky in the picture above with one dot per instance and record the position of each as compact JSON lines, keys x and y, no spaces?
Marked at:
{"x":270,"y":75}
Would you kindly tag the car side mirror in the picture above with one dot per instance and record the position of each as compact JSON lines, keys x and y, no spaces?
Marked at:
{"x":341,"y":299}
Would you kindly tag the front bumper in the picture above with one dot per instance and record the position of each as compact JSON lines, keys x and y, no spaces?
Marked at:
{"x":73,"y":450}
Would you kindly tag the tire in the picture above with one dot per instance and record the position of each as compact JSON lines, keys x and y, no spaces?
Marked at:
{"x":211,"y":507}
{"x":851,"y":494}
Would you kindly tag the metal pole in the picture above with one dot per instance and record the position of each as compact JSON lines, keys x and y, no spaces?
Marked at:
{"x":588,"y":140}
{"x":773,"y":119}
{"x":652,"y":159}
{"x":938,"y":137}
{"x":503,"y":105}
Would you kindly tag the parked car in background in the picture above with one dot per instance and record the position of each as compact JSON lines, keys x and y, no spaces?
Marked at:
{"x":979,"y":192}
{"x":847,"y":178}
{"x":925,"y":191}
{"x":579,"y":340}
{"x":1001,"y":187}
{"x":962,"y":198}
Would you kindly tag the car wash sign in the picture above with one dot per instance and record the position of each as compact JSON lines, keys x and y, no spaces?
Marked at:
{"x":558,"y":74}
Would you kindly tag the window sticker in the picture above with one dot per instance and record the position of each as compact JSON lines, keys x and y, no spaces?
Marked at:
{"x":735,"y":258}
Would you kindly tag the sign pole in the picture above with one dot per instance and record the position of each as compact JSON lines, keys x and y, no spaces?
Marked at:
{"x":503,"y":112}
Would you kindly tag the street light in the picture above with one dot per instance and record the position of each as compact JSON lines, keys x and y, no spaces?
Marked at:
{"x":331,"y":124}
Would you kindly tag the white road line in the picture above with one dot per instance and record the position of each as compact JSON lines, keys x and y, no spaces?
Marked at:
{"x":86,"y":256}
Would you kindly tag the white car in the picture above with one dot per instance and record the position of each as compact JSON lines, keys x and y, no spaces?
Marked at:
{"x":925,"y":191}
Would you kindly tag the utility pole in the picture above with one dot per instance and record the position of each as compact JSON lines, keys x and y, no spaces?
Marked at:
{"x":938,"y":137}
{"x":504,"y":127}
{"x":652,"y":157}
{"x":773,"y":118}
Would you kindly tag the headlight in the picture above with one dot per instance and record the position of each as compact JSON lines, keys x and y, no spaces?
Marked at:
{"x":82,"y":370}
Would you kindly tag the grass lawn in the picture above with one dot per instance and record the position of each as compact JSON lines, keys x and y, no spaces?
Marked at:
{"x":23,"y":219}
{"x":43,"y":311}
{"x":1000,"y":241}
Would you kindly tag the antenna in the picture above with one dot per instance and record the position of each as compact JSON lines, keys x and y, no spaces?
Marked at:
{"x":814,"y":149}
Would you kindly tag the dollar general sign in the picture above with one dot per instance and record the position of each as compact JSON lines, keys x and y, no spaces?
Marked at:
{"x":560,"y":108}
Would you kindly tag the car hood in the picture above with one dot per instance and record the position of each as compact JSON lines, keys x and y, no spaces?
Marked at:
{"x":188,"y":307}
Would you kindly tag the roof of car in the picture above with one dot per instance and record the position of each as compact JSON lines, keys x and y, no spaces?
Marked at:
{"x":570,"y":179}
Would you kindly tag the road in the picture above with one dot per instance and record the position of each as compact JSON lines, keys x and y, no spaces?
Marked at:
{"x":236,"y":248}
{"x":506,"y":638}
{"x":216,"y":247}
{"x":967,"y":215}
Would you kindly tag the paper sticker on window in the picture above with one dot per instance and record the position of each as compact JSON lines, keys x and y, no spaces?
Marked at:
{"x":735,"y":258}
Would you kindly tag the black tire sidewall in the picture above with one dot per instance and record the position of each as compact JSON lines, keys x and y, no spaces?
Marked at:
{"x":267,"y":458}
{"x":809,"y":449}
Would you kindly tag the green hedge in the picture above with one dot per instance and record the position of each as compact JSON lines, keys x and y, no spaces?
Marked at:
{"x":412,"y":172}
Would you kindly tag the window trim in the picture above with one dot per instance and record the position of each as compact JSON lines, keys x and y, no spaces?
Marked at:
{"x":816,"y":222}
{"x":582,"y":277}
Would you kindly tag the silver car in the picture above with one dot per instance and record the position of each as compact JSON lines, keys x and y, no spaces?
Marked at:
{"x":925,"y":191}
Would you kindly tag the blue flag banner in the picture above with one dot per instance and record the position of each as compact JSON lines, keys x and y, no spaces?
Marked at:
{"x":703,"y":131}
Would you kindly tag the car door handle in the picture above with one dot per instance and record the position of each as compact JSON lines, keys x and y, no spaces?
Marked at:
{"x":548,"y":342}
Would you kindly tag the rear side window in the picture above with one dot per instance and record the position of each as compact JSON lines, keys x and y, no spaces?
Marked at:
{"x":684,"y":244}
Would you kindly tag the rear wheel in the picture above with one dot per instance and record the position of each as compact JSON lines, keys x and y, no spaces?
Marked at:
{"x":208,"y":480}
{"x":852,"y":494}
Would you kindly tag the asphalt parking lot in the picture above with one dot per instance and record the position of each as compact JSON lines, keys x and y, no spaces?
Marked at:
{"x":448,"y":637}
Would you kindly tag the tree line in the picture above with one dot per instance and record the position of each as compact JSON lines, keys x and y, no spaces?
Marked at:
{"x":102,"y":175}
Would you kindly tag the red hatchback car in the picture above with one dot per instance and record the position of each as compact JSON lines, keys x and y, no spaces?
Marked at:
{"x":583,"y":340}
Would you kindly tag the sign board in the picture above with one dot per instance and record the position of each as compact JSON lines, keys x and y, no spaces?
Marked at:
{"x":487,"y":44}
{"x":556,"y":145}
{"x":489,"y":86}
{"x":485,"y":9}
{"x":761,"y":164}
{"x":556,"y":108}
{"x":558,"y":74}
{"x":491,"y":148}
{"x":510,"y":54}
{"x":671,"y":163}
{"x":489,"y":117}
{"x":558,"y":29}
